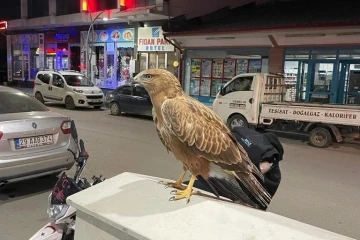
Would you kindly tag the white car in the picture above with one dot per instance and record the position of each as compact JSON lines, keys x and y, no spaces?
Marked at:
{"x":68,"y":87}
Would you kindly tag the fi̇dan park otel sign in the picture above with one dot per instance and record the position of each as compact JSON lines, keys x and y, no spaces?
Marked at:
{"x":151,"y":39}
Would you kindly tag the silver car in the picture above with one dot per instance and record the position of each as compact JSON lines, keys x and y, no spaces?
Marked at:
{"x":33,"y":140}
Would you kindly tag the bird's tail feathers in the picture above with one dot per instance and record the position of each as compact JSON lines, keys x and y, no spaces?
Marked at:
{"x":255,"y":188}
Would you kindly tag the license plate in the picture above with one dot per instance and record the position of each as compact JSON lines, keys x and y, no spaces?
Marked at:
{"x":30,"y":142}
{"x":96,"y":100}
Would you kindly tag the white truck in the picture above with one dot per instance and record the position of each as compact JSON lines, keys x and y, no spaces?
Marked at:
{"x":258,"y":100}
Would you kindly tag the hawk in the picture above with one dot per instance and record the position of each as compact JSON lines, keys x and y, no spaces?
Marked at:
{"x":201,"y":141}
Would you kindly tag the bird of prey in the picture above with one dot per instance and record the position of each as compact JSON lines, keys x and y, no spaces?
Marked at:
{"x":201,"y":141}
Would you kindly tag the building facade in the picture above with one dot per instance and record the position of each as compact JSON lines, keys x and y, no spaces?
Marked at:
{"x":126,"y":37}
{"x":318,"y":53}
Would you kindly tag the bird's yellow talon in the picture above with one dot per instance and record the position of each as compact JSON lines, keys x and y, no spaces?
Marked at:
{"x":180,"y":194}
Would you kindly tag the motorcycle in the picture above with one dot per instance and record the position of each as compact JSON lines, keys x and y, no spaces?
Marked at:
{"x":62,"y":216}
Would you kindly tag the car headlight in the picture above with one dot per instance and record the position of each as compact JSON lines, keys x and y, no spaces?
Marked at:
{"x":78,"y":90}
{"x":110,"y":96}
{"x":100,"y":91}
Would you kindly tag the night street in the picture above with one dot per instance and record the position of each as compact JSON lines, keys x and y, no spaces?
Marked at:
{"x":319,"y":186}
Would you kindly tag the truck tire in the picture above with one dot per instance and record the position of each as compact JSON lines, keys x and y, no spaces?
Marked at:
{"x":320,"y":137}
{"x":237,"y":121}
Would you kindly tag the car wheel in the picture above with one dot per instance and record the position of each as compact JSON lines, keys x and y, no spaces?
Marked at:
{"x":237,"y":121}
{"x":320,"y":137}
{"x":39,"y":97}
{"x":69,"y":103}
{"x":115,"y":109}
{"x":97,"y":107}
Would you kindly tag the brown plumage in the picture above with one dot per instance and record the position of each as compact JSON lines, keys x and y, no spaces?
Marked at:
{"x":200,"y":140}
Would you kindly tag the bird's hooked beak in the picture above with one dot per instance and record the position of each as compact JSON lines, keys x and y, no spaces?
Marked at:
{"x":137,"y":79}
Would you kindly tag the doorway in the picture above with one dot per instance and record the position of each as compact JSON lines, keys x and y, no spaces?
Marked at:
{"x":348,"y":91}
{"x":301,"y":80}
{"x":319,"y":82}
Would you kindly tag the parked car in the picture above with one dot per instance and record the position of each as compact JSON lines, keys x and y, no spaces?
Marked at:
{"x":34,"y":141}
{"x":129,"y":99}
{"x":71,"y":88}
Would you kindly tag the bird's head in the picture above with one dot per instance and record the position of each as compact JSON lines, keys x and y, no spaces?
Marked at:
{"x":158,"y":80}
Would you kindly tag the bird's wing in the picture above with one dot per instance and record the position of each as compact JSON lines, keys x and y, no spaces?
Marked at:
{"x":202,"y":130}
{"x":208,"y":137}
{"x":157,"y":130}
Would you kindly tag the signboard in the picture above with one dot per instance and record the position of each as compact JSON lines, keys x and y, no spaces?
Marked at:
{"x":113,"y":35}
{"x":59,"y":37}
{"x":151,"y":39}
{"x":311,"y":114}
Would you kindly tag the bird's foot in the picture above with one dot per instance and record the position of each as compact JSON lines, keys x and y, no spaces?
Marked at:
{"x":180,"y":194}
{"x":177,"y":185}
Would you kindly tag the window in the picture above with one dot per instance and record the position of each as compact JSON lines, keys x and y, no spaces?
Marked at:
{"x":18,"y":102}
{"x":239,"y":84}
{"x":140,"y":91}
{"x":57,"y":81}
{"x":126,"y":90}
{"x":45,"y":78}
{"x":64,"y":7}
{"x":38,"y":8}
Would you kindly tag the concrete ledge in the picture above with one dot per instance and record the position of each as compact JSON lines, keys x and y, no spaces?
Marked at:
{"x":131,"y":206}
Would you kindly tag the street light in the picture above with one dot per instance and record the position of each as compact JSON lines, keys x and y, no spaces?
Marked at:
{"x":91,"y":28}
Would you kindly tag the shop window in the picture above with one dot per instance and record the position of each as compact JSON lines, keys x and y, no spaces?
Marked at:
{"x":349,"y":54}
{"x":208,"y":75}
{"x":143,"y":61}
{"x":323,"y":54}
{"x":37,"y":8}
{"x":124,"y":56}
{"x":297,"y":54}
{"x":64,"y":7}
{"x":98,"y":64}
{"x":17,"y":61}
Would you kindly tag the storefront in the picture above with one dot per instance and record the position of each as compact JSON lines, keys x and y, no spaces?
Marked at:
{"x":62,"y":51}
{"x":324,"y":75}
{"x":112,"y":60}
{"x":30,"y":52}
{"x":207,"y":70}
{"x":24,"y":61}
{"x":154,"y":51}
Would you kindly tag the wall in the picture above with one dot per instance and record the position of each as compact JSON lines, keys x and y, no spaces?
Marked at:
{"x":201,"y":7}
{"x":276,"y":60}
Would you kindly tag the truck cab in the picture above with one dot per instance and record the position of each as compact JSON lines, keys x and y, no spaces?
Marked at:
{"x":238,"y":101}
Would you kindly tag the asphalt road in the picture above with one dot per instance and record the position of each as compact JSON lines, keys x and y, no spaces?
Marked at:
{"x":320,"y":187}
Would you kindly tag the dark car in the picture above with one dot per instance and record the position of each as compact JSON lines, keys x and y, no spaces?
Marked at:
{"x":129,"y":99}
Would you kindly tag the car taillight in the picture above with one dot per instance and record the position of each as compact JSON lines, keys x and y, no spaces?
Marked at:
{"x":1,"y":134}
{"x":66,"y":127}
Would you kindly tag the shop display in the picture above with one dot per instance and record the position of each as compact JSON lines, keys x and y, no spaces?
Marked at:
{"x":229,"y":68}
{"x":217,"y":68}
{"x":205,"y":87}
{"x":194,"y":87}
{"x":215,"y":87}
{"x":209,"y":75}
{"x":206,"y":68}
{"x":241,"y":66}
{"x":195,"y":67}
{"x":254,"y":65}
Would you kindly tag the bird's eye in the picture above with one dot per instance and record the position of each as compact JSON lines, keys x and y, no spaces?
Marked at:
{"x":148,"y":76}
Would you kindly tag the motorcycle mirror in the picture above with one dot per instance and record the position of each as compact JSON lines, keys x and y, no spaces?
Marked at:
{"x":74,"y":133}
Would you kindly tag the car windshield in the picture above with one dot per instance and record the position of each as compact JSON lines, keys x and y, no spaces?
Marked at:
{"x":77,"y":80}
{"x":11,"y":102}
